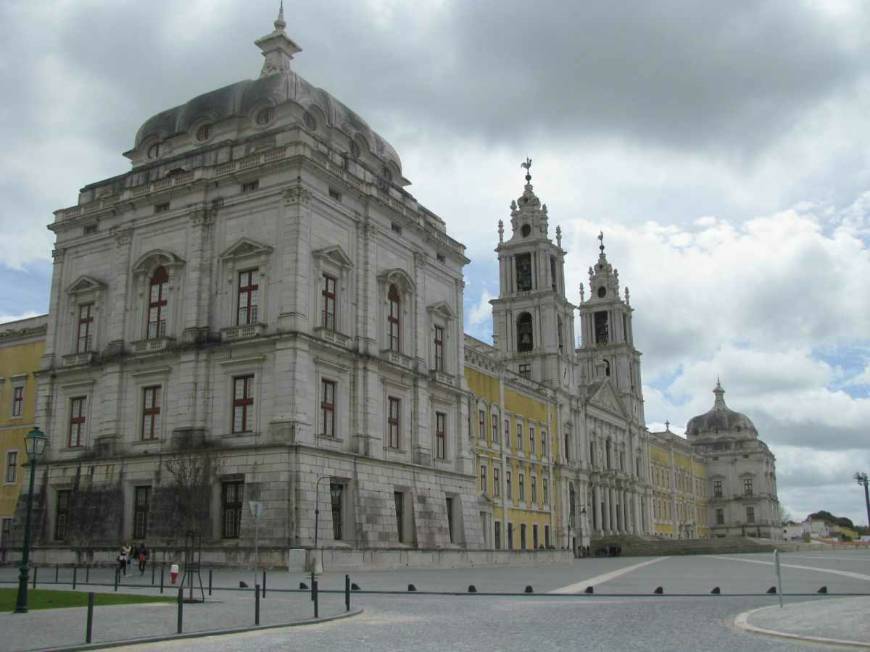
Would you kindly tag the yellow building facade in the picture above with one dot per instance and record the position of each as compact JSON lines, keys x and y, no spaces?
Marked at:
{"x":21,"y":346}
{"x":679,"y":483}
{"x":517,"y":456}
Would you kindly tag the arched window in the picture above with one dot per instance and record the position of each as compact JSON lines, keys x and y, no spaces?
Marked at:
{"x":524,"y":332}
{"x":157,"y":304}
{"x":394,"y":318}
{"x":606,"y":367}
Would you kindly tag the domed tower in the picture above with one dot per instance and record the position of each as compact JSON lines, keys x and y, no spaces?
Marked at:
{"x":533,"y":322}
{"x":607,"y":340}
{"x":741,"y":472}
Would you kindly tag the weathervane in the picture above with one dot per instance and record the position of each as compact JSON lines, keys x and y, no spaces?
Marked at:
{"x":601,"y":240}
{"x":527,"y":164}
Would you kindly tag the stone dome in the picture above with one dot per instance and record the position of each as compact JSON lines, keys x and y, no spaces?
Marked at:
{"x":721,"y":419}
{"x":276,"y":85}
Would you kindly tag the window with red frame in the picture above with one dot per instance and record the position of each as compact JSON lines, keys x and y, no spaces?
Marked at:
{"x":328,"y":294}
{"x":76,"y":435}
{"x":243,"y":403}
{"x":439,"y":348}
{"x":157,"y":304}
{"x":18,"y":401}
{"x":247,"y":310}
{"x":327,"y":407}
{"x":394,"y":319}
{"x":441,"y":435}
{"x":151,"y":412}
{"x":83,"y":334}
{"x":393,"y":421}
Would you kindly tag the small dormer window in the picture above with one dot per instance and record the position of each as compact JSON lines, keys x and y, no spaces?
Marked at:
{"x":154,"y":151}
{"x":264,"y":116}
{"x":354,"y":149}
{"x":526,"y":230}
{"x":309,"y":121}
{"x":203,"y":133}
{"x":387,"y":173}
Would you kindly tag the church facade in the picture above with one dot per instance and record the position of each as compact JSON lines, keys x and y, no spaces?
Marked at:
{"x":260,"y":312}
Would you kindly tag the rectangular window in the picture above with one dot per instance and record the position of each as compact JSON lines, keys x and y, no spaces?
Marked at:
{"x":497,"y":535}
{"x":394,"y":319}
{"x":534,"y":487}
{"x":327,"y":408}
{"x":720,"y":516}
{"x":232,"y":496}
{"x":327,"y":319}
{"x":393,"y":423}
{"x":508,"y":485}
{"x":450,"y":519}
{"x":483,"y":478}
{"x":247,"y":298}
{"x":544,"y":444}
{"x":243,"y":403}
{"x":522,"y":536}
{"x":441,"y":435}
{"x":161,"y":208}
{"x":18,"y":401}
{"x":5,"y":533}
{"x":747,"y":487}
{"x":334,"y":194}
{"x":151,"y":412}
{"x":399,"y":500}
{"x":522,"y":486}
{"x":251,"y":186}
{"x":83,"y":332}
{"x":519,"y":438}
{"x":750,"y":514}
{"x":481,"y":424}
{"x":601,"y":327}
{"x":11,"y":466}
{"x":531,"y":440}
{"x":76,"y":434}
{"x":535,"y":536}
{"x":61,"y":515}
{"x":525,"y":370}
{"x":496,"y":482}
{"x":546,"y":536}
{"x":510,"y":536}
{"x":545,"y":486}
{"x":141,"y":501}
{"x":336,"y":503}
{"x":507,"y":432}
{"x":493,"y":419}
{"x":717,"y":488}
{"x":439,"y":348}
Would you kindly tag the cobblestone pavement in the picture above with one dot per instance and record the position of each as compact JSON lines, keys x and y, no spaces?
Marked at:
{"x":394,"y":622}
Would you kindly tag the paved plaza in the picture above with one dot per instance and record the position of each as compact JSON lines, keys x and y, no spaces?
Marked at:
{"x":622,"y":613}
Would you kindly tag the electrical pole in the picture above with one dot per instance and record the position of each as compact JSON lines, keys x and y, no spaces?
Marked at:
{"x":861,"y":478}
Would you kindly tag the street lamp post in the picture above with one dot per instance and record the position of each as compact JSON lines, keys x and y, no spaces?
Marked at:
{"x":861,"y":478}
{"x":34,"y":442}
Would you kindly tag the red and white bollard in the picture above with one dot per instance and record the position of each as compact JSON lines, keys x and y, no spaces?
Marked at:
{"x":173,"y":573}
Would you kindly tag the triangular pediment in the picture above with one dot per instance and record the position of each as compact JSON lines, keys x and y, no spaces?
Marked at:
{"x":607,"y":399}
{"x":85,"y":284}
{"x":334,"y":254}
{"x":244,"y":248}
{"x":441,"y":309}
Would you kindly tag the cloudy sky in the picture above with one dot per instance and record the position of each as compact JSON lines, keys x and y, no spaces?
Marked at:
{"x":723,"y":148}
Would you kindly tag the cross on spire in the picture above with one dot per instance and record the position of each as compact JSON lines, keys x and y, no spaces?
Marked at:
{"x":527,"y":164}
{"x":601,"y":241}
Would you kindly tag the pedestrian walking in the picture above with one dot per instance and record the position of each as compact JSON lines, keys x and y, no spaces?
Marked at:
{"x":122,"y":560}
{"x":142,"y":556}
{"x":128,"y":554}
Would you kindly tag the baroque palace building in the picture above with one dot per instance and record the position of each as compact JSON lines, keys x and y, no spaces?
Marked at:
{"x":260,"y":311}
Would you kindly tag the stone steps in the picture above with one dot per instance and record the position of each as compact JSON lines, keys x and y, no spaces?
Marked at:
{"x":634,"y":546}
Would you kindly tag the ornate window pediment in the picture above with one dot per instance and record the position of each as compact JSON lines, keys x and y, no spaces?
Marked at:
{"x":334,"y":255}
{"x":148,"y":262}
{"x":85,"y":284}
{"x":441,"y":309}
{"x":398,"y":277}
{"x":245,"y":248}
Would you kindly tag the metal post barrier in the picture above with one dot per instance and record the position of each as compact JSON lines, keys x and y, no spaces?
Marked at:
{"x":35,"y":568}
{"x":88,"y":574}
{"x":347,"y":592}
{"x":161,"y":577}
{"x":209,"y":580}
{"x":256,"y":604}
{"x":56,"y":573}
{"x":75,"y":572}
{"x":264,"y":583}
{"x":89,"y":626}
{"x":117,"y":577}
{"x":153,"y":567}
{"x":778,"y":576}
{"x":314,"y":592}
{"x":180,"y":607}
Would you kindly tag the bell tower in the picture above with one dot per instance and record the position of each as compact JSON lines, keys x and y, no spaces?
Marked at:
{"x":607,"y":340}
{"x":533,"y":322}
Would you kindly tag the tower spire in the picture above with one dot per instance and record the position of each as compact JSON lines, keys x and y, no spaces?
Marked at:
{"x":278,"y":48}
{"x":719,"y":393}
{"x":279,"y":22}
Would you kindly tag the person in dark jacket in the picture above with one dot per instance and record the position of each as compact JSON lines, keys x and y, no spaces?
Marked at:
{"x":142,"y":557}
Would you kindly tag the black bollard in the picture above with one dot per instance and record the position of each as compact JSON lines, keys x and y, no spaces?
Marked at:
{"x":117,"y":574}
{"x":264,"y":583}
{"x":472,"y":588}
{"x":411,"y":587}
{"x":256,"y":604}
{"x":209,"y":580}
{"x":88,"y":574}
{"x":823,"y":589}
{"x":715,"y":590}
{"x":35,"y":568}
{"x":56,"y":573}
{"x":314,"y":597}
{"x":180,"y":607}
{"x":355,"y":587}
{"x":303,"y":586}
{"x":529,"y":589}
{"x":153,"y":568}
{"x":89,"y":625}
{"x":161,"y":577}
{"x":772,"y":589}
{"x":75,"y":572}
{"x":659,"y":590}
{"x":347,"y":592}
{"x":589,"y":589}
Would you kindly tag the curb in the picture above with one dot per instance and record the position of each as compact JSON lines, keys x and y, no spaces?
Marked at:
{"x":742,"y":622}
{"x":204,"y":634}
